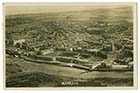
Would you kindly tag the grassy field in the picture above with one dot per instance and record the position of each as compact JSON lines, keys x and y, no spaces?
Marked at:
{"x":21,"y":73}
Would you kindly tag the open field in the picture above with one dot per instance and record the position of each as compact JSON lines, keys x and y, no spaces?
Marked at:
{"x":42,"y":75}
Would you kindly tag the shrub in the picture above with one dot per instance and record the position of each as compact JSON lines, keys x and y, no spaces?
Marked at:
{"x":32,"y":79}
{"x":12,"y":69}
{"x":102,"y":54}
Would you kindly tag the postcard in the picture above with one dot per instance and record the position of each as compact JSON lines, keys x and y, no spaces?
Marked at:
{"x":70,"y":45}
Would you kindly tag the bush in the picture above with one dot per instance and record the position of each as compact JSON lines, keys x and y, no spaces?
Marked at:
{"x":68,"y":54}
{"x":12,"y":69}
{"x":63,"y":59}
{"x":38,"y":57}
{"x":102,"y":54}
{"x":32,"y":79}
{"x":85,"y":55}
{"x":44,"y":58}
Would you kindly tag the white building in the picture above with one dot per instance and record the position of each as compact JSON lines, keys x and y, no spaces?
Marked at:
{"x":20,"y":41}
{"x":47,"y":51}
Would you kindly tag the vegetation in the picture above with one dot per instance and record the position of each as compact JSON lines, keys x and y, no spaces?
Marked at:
{"x":103,"y":82}
{"x":12,"y":68}
{"x":32,"y":79}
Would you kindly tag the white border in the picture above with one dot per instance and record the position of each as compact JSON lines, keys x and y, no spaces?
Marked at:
{"x":89,"y":91}
{"x":114,"y":87}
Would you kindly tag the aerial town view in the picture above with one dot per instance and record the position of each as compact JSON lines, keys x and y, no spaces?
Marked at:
{"x":69,"y":45}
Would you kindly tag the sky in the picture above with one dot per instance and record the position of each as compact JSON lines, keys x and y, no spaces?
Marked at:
{"x":28,"y":8}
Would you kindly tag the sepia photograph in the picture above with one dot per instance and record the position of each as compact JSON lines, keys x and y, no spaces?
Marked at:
{"x":70,"y":45}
